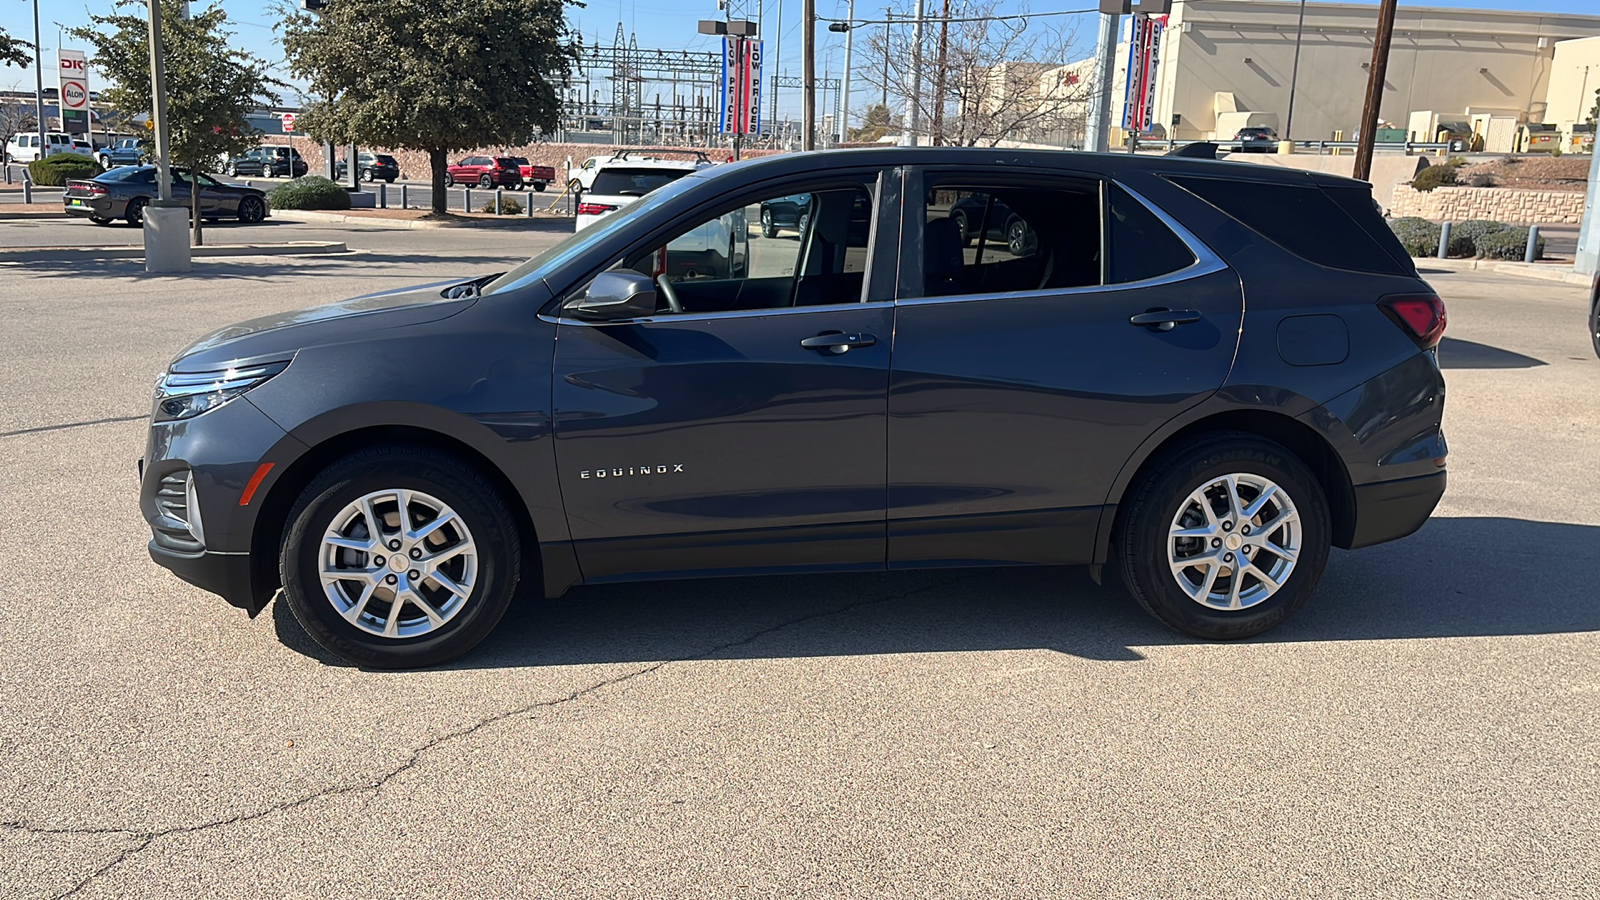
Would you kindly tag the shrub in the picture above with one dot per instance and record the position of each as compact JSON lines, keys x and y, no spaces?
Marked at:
{"x":1482,"y":179}
{"x":1510,"y":160}
{"x":1456,"y":162}
{"x":1433,"y":177}
{"x":1473,"y":231}
{"x":1419,"y":236}
{"x":309,"y":192}
{"x":1511,"y":243}
{"x":508,"y":206}
{"x":57,"y":169}
{"x":1555,"y":151}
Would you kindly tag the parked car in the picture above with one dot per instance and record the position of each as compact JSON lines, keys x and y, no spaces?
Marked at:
{"x":785,"y":212}
{"x":123,"y":193}
{"x":128,"y":151}
{"x":485,"y":171}
{"x":1256,"y":139}
{"x":1107,"y":400}
{"x":275,"y":161}
{"x":581,"y":177}
{"x":25,"y":148}
{"x":370,"y":167}
{"x":619,"y":183}
{"x":537,"y":176}
{"x":1005,"y":228}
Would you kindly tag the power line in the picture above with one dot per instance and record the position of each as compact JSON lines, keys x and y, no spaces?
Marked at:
{"x":857,"y":23}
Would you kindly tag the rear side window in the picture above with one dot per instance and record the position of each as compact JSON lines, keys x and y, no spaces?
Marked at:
{"x":1299,"y":218}
{"x":1142,"y":246}
{"x":625,"y":182}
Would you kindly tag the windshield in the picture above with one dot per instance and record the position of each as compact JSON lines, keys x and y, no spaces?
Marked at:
{"x":574,"y":244}
{"x":623,"y":182}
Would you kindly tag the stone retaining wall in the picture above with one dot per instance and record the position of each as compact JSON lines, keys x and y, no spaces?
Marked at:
{"x":1498,"y":204}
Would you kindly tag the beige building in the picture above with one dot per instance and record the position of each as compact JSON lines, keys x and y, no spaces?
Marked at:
{"x":1227,"y":63}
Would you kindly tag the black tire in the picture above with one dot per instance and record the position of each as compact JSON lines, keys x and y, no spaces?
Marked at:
{"x":135,"y":213}
{"x":517,"y":186}
{"x":800,"y":226}
{"x":961,"y":223}
{"x":485,"y":182}
{"x":1017,"y":237}
{"x":366,"y":175}
{"x":768,"y":229}
{"x":1141,"y":538}
{"x":233,"y":171}
{"x":252,"y":210}
{"x":538,"y":186}
{"x":473,"y":498}
{"x":1594,"y":322}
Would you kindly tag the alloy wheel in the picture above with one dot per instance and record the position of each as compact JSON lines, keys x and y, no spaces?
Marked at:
{"x":398,"y":563}
{"x":1234,"y":541}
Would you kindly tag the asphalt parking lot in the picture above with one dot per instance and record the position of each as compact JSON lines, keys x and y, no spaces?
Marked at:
{"x":1428,"y":726}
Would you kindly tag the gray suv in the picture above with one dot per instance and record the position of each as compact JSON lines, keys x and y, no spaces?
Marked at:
{"x":1195,"y":378}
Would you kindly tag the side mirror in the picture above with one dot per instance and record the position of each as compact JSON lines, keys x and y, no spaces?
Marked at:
{"x":615,"y":295}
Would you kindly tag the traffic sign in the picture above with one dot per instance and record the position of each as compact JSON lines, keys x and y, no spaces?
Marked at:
{"x":288,"y":123}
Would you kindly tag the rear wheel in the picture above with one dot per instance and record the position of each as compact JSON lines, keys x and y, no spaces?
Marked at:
{"x":1225,"y":537}
{"x":768,"y":229}
{"x":538,"y":185}
{"x":233,"y":170}
{"x":485,"y":182}
{"x":399,"y":557}
{"x":135,"y":214}
{"x":1594,"y":323}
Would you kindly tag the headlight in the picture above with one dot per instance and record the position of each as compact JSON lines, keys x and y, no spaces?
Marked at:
{"x":184,"y":395}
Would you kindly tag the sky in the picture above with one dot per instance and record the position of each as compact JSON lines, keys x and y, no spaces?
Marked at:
{"x":669,"y":24}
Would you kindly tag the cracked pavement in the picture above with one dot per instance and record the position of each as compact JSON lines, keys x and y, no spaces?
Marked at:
{"x":1426,"y":726}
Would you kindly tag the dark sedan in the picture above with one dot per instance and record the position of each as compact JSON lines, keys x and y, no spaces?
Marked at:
{"x":858,"y":400}
{"x":370,"y":167}
{"x":785,"y":212}
{"x":1256,"y":139}
{"x":124,"y":193}
{"x":282,"y":162}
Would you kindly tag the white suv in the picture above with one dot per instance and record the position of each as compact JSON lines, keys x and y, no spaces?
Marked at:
{"x":24,"y":148}
{"x":620,"y":181}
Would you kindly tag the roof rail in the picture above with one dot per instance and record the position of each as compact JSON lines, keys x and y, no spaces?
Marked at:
{"x":622,"y":154}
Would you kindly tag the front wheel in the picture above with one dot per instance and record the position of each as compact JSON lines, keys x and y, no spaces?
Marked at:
{"x":252,"y":210}
{"x":399,"y":557}
{"x":768,"y":229}
{"x":1594,"y":323}
{"x":1225,"y":537}
{"x":366,"y":175}
{"x":485,"y":182}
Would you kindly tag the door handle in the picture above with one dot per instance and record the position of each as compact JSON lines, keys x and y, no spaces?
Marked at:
{"x":838,"y":341}
{"x":1164,"y":319}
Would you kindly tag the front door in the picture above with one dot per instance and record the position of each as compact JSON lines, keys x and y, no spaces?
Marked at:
{"x":1022,"y":380}
{"x":742,"y":427}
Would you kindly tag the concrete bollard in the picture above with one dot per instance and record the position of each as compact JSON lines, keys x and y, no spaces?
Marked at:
{"x":8,"y":173}
{"x":466,"y":199}
{"x":1531,"y":254}
{"x":499,"y":196}
{"x":27,"y":189}
{"x":1285,"y":148}
{"x":405,"y":198}
{"x":383,"y":195}
{"x":528,"y":210}
{"x":1444,"y":241}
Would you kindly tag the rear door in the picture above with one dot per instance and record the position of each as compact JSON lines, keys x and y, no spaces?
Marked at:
{"x":742,"y":428}
{"x":1022,"y":379}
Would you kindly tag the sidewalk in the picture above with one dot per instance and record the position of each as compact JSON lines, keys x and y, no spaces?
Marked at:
{"x":421,"y":218}
{"x":1547,"y":271}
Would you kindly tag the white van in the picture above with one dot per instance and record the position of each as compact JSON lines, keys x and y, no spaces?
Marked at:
{"x":24,"y":148}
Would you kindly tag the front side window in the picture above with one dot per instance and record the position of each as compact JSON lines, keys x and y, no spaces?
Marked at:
{"x":776,"y":252}
{"x":988,"y":238}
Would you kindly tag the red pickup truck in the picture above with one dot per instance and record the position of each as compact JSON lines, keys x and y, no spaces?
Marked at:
{"x":537,"y":176}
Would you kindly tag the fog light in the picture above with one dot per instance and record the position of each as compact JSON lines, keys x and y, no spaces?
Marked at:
{"x":191,"y":500}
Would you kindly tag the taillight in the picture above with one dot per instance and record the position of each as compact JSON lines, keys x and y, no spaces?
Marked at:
{"x":593,"y":209}
{"x":1421,"y":315}
{"x":98,"y":190}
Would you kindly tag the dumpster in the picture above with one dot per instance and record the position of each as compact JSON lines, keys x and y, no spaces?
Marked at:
{"x":1539,"y":137}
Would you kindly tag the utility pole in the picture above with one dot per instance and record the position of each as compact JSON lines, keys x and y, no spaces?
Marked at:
{"x":38,"y":77}
{"x":844,"y":87}
{"x":1294,"y":74}
{"x":939,"y":76}
{"x":166,"y":238}
{"x":158,"y":107}
{"x":808,"y":27}
{"x":1375,"y":76}
{"x":914,"y":102}
{"x":1588,"y":256}
{"x":1097,"y":126}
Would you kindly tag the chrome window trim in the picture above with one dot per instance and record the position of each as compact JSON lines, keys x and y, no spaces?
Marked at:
{"x":1206,"y":262}
{"x":712,"y":316}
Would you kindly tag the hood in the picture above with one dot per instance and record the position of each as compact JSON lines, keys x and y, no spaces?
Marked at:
{"x":279,"y":337}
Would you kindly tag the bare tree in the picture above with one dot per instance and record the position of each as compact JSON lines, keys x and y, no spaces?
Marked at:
{"x":986,"y":80}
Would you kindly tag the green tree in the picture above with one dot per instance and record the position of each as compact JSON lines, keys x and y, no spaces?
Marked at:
{"x":13,"y":52}
{"x":430,"y":75}
{"x":874,"y":124}
{"x":210,"y":85}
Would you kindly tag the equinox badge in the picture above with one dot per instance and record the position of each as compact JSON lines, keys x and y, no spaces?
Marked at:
{"x":623,"y":472}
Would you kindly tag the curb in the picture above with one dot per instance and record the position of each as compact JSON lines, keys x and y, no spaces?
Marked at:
{"x":295,"y":248}
{"x":1561,"y":273}
{"x":510,"y":223}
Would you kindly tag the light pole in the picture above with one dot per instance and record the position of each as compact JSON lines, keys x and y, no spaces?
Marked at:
{"x":808,"y":50}
{"x":38,"y":78}
{"x":848,"y":27}
{"x":1294,"y":74}
{"x":914,"y":112}
{"x":166,"y":238}
{"x":1097,"y":126}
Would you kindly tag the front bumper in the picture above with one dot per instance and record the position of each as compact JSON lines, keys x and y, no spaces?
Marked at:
{"x":228,"y":575}
{"x":1389,"y":510}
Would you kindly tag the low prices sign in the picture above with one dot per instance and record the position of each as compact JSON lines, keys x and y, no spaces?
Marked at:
{"x":741,"y":86}
{"x":72,"y":87}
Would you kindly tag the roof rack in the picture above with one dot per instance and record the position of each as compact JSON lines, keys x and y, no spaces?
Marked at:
{"x":622,"y":154}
